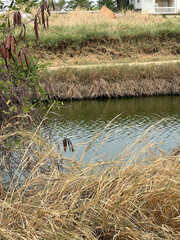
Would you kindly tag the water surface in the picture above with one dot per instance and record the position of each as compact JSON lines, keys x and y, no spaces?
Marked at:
{"x":82,"y":120}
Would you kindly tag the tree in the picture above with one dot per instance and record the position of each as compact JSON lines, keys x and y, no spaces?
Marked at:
{"x":121,"y":4}
{"x":118,"y":4}
{"x":87,"y":4}
{"x":111,"y":4}
{"x":60,"y":4}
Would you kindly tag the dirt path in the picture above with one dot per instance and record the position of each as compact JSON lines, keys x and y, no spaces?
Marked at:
{"x":113,"y":64}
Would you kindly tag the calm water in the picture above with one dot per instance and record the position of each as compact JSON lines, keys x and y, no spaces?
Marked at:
{"x":82,"y":120}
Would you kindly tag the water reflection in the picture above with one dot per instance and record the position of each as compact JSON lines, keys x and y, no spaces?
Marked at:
{"x":82,"y":120}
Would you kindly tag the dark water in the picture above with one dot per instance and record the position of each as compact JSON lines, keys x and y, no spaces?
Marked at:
{"x":82,"y":120}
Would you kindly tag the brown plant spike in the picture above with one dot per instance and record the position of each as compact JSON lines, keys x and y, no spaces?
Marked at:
{"x":26,"y":58}
{"x":17,"y":19}
{"x":43,"y":7}
{"x":36,"y":27}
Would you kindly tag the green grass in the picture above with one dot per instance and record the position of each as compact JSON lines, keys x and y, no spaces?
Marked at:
{"x":79,"y":34}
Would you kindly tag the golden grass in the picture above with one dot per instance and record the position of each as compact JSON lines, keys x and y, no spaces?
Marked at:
{"x":81,"y":18}
{"x":122,"y":199}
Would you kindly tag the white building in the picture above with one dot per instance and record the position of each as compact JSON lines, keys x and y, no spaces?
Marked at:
{"x":157,"y":6}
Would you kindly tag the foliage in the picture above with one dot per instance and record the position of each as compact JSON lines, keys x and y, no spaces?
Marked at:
{"x":111,"y":4}
{"x":17,"y":88}
{"x":86,"y":4}
{"x":18,"y":70}
{"x":60,"y":5}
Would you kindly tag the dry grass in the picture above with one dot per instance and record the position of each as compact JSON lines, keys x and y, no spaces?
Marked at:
{"x":139,"y":200}
{"x":81,"y":18}
{"x":118,"y":81}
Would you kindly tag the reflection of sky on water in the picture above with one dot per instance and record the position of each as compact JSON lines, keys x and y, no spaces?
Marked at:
{"x":82,"y":120}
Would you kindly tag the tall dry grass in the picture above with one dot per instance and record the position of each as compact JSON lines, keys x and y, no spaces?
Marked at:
{"x":122,"y":199}
{"x":79,"y":17}
{"x":112,"y":81}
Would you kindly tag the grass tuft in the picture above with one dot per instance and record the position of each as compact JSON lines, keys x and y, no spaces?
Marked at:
{"x":134,"y":200}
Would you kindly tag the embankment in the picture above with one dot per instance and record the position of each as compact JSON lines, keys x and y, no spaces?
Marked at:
{"x":112,"y":81}
{"x":115,"y":39}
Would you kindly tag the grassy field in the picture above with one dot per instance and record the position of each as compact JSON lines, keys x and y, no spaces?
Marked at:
{"x":50,"y":197}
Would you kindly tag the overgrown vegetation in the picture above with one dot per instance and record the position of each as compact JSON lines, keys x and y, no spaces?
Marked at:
{"x":54,"y":198}
{"x":19,"y":74}
{"x":126,"y":36}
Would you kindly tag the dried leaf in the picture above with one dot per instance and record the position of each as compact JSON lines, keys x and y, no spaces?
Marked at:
{"x":13,"y":47}
{"x":8,"y":41}
{"x":24,"y":30}
{"x":36,"y":27}
{"x":3,"y":51}
{"x":48,"y":10}
{"x":43,"y":6}
{"x":70,"y":145}
{"x":47,"y":22}
{"x":20,"y":33}
{"x":29,"y":120}
{"x":26,"y":59}
{"x":9,"y":55}
{"x":27,"y":52}
{"x":13,"y":42}
{"x":65,"y":144}
{"x":53,"y":5}
{"x":6,"y":63}
{"x":19,"y":19}
{"x":15,"y":18}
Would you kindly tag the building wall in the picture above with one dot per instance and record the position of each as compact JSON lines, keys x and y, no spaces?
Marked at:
{"x":137,"y":4}
{"x":178,"y":6}
{"x":162,"y":3}
{"x":148,"y":6}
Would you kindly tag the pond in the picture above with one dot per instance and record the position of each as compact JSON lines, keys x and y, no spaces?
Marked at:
{"x":81,"y":121}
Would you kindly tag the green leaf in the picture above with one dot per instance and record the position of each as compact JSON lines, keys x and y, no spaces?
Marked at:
{"x":11,"y":5}
{"x":27,"y":10}
{"x":25,"y":109}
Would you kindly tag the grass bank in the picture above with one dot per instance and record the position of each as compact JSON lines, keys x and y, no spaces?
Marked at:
{"x":51,"y":197}
{"x":81,"y":35}
{"x":112,"y":81}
